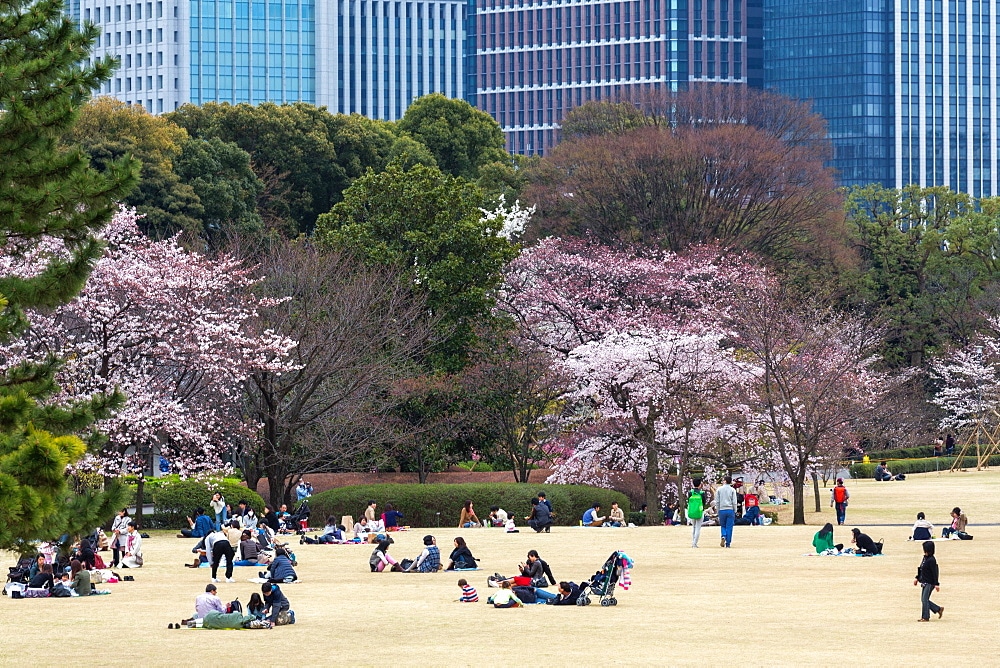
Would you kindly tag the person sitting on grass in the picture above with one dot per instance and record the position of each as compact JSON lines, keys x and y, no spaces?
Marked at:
{"x":922,"y":529}
{"x":43,"y":578}
{"x":391,"y":517}
{"x":823,"y":540}
{"x":617,"y":516}
{"x":498,"y":516}
{"x":533,"y":572}
{"x":505,"y":597}
{"x":133,"y":547}
{"x":280,"y":570}
{"x":201,"y":526}
{"x":461,"y":557}
{"x":591,"y":517}
{"x":207,"y":602}
{"x":81,"y":579}
{"x":429,"y":560}
{"x":883,"y":474}
{"x":332,"y":533}
{"x":467,"y":518}
{"x":275,"y":602}
{"x":469,"y":594}
{"x":865,"y":545}
{"x":255,"y":606}
{"x":361,"y":529}
{"x":958,"y":523}
{"x":380,"y":559}
{"x":540,"y":518}
{"x":249,"y":549}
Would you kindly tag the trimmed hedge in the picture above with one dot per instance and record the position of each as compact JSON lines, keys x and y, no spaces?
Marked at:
{"x":925,"y":465}
{"x":177,"y":499}
{"x":420,"y":504}
{"x":916,"y":452}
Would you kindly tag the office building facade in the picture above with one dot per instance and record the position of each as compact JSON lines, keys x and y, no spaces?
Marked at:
{"x":908,"y":87}
{"x":537,"y":59}
{"x":371,"y":57}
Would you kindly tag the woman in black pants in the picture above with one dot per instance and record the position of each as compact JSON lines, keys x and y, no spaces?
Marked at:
{"x":223,"y":548}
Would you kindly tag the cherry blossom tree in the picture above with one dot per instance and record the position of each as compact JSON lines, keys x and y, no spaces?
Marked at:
{"x":642,"y":337}
{"x":170,"y":329}
{"x":968,"y":381}
{"x":810,"y":374}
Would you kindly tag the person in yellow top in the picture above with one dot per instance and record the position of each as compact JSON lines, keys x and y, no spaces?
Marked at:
{"x":468,"y":519}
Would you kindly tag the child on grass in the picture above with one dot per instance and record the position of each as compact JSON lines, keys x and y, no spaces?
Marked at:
{"x":506,"y":598}
{"x":927,"y":578}
{"x":469,"y":594}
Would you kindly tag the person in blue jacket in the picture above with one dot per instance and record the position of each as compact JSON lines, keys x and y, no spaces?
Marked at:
{"x":201,"y":525}
{"x":280,"y":569}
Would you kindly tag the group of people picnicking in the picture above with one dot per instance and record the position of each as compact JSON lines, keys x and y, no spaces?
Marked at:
{"x":239,"y":538}
{"x":54,"y":573}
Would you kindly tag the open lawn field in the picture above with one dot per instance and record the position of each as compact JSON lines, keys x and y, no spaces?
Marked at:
{"x":761,"y":603}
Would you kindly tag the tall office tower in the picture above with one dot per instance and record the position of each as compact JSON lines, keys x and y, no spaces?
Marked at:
{"x":908,"y":87}
{"x":537,"y":59}
{"x":372,"y":57}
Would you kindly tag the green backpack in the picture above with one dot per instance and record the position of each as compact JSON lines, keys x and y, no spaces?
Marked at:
{"x":696,"y":504}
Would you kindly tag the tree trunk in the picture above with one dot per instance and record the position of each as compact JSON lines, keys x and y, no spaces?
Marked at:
{"x":421,"y":470}
{"x":798,"y":498}
{"x":816,"y":491}
{"x":277,"y":488}
{"x":652,"y":470}
{"x":140,"y":486}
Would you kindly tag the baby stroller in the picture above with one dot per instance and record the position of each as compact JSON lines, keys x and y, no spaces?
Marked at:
{"x":604,"y":581}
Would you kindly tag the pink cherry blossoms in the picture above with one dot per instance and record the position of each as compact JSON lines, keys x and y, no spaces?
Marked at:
{"x":172,"y":330}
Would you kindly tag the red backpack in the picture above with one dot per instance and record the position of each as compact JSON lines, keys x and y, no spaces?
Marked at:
{"x":840,"y":494}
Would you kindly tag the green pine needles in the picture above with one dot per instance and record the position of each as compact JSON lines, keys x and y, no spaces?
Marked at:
{"x":48,"y":192}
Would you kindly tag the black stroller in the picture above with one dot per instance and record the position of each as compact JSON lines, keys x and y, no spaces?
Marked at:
{"x":603,"y":582}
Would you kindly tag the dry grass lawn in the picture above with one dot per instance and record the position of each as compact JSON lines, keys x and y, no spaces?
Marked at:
{"x":760,"y":603}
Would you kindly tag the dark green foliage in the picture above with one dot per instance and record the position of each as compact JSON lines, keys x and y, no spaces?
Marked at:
{"x":902,"y":453}
{"x":220,"y":175}
{"x":46,"y":190}
{"x":421,"y":503}
{"x":929,"y":265}
{"x":423,"y":221}
{"x":461,"y":138}
{"x":311,"y":155}
{"x":176,"y":500}
{"x":926,"y":465}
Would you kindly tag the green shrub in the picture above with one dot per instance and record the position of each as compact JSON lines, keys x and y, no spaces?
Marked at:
{"x":637,"y":518}
{"x":478,"y":467}
{"x":175,"y":499}
{"x":915,"y":452}
{"x":925,"y":465}
{"x":420,"y":504}
{"x":773,"y":514}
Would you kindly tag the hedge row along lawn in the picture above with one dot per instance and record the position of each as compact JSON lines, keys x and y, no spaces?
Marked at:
{"x":441,"y":504}
{"x":176,"y":500}
{"x":926,"y":465}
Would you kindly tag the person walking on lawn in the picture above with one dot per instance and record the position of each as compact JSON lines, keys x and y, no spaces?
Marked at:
{"x":838,"y":499}
{"x":696,"y":510}
{"x":927,"y":578}
{"x":725,"y":501}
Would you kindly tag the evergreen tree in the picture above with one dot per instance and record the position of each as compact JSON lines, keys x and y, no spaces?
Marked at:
{"x":49,"y":198}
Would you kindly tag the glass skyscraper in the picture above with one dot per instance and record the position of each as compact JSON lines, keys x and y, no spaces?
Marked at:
{"x":537,"y":59}
{"x":371,"y":57}
{"x":908,"y":87}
